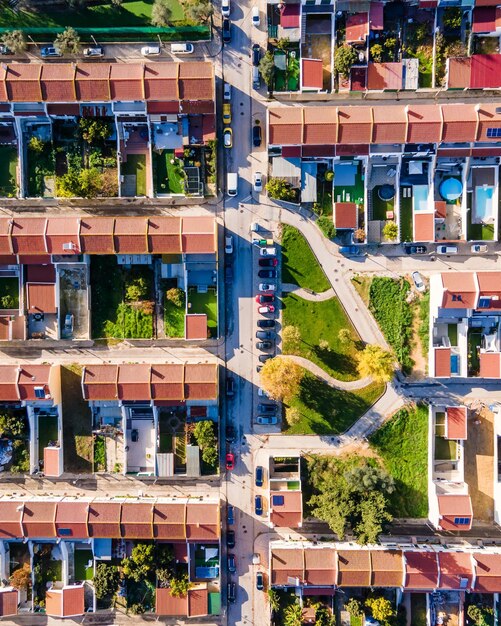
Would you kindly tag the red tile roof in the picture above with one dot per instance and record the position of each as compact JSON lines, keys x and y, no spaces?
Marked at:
{"x":164,"y":235}
{"x":100,"y":382}
{"x":489,"y":283}
{"x":198,"y":601}
{"x":126,"y":81}
{"x":424,"y":227}
{"x":285,"y":125}
{"x":376,"y":20}
{"x":161,"y":81}
{"x":357,"y":27}
{"x":169,"y":521}
{"x":387,"y":568}
{"x":23,"y":82}
{"x":425,"y":123}
{"x":27,"y":235}
{"x":458,"y":72}
{"x":41,"y":298}
{"x":355,"y":125}
{"x":196,"y":85}
{"x":290,"y":513}
{"x":456,"y":422}
{"x":390,"y":125}
{"x":11,"y":514}
{"x":286,"y":563}
{"x":134,"y":382}
{"x":488,"y":572}
{"x":9,"y":391}
{"x":460,"y":123}
{"x":320,"y":567}
{"x":485,"y":70}
{"x":167,"y":381}
{"x":488,"y":118}
{"x":345,"y":215}
{"x":130,"y":235}
{"x":201,"y":381}
{"x":39,"y":519}
{"x":421,"y":570}
{"x":51,"y":461}
{"x":58,"y":82}
{"x":104,"y":519}
{"x":137,"y":520}
{"x":65,"y":602}
{"x":199,"y":235}
{"x":312,"y":73}
{"x":455,"y":567}
{"x":9,"y":599}
{"x":5,"y":244}
{"x":71,"y":519}
{"x":166,"y":604}
{"x":460,"y":290}
{"x":195,"y":326}
{"x":60,"y":232}
{"x":354,"y":568}
{"x":385,"y":76}
{"x":451,"y":507}
{"x":202,"y":522}
{"x":96,"y":235}
{"x":442,"y":362}
{"x":31,"y":376}
{"x":92,"y":80}
{"x":320,"y":126}
{"x":484,"y":19}
{"x":490,"y":365}
{"x":290,"y":16}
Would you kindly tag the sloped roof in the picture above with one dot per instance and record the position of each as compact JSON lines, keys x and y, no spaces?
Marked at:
{"x":27,"y":235}
{"x":71,"y":519}
{"x":62,"y":231}
{"x":320,"y":567}
{"x":39,"y":519}
{"x":195,"y":326}
{"x":357,"y":27}
{"x":485,"y":71}
{"x":167,"y":381}
{"x":455,"y":567}
{"x":286,"y":563}
{"x":354,"y":568}
{"x":130,"y":235}
{"x":31,"y":376}
{"x":134,"y":382}
{"x":355,"y":125}
{"x":164,"y":235}
{"x":460,"y":290}
{"x":52,"y":456}
{"x":320,"y":126}
{"x":387,"y":568}
{"x":23,"y":82}
{"x":137,"y":520}
{"x":385,"y":76}
{"x":489,"y":283}
{"x":58,"y":82}
{"x":456,"y":421}
{"x":104,"y":519}
{"x":484,"y":19}
{"x":161,"y":81}
{"x":452,"y":506}
{"x":198,"y":601}
{"x":198,"y":235}
{"x":442,"y":362}
{"x":460,"y":123}
{"x":200,"y":381}
{"x":312,"y":73}
{"x":92,"y":81}
{"x":488,"y":572}
{"x":345,"y":215}
{"x":100,"y":382}
{"x":169,"y":521}
{"x":66,"y":602}
{"x":166,"y":604}
{"x":9,"y":391}
{"x":126,"y":81}
{"x":459,"y":72}
{"x":285,"y":125}
{"x":41,"y":298}
{"x":390,"y":125}
{"x":96,"y":235}
{"x":289,"y":514}
{"x":202,"y":522}
{"x":421,"y":570}
{"x":11,"y":514}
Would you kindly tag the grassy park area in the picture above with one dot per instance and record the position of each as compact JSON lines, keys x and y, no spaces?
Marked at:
{"x":299,"y":264}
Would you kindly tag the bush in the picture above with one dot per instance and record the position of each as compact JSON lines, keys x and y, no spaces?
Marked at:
{"x":15,"y":40}
{"x":68,"y":42}
{"x":36,"y":145}
{"x":11,"y":425}
{"x":280,"y":189}
{"x":179,"y":585}
{"x":106,"y":579}
{"x":452,"y":18}
{"x":377,"y":52}
{"x":7,"y":302}
{"x":205,"y":435}
{"x":329,"y":176}
{"x":86,"y":183}
{"x":176,"y":296}
{"x":136,"y":289}
{"x":344,"y":58}
{"x":326,"y":225}
{"x":137,"y":609}
{"x":94,"y":129}
{"x":390,"y":231}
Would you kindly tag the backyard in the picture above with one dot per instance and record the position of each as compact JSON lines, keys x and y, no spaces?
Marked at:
{"x":82,"y":558}
{"x":8,"y":171}
{"x":299,"y":264}
{"x":118,"y":312}
{"x":77,"y":422}
{"x":406,"y":232}
{"x":474,"y":343}
{"x":169,"y":177}
{"x":324,"y":410}
{"x":9,"y":292}
{"x":205,"y":303}
{"x":319,"y":324}
{"x":41,"y":170}
{"x":286,"y":77}
{"x":402,"y":445}
{"x":174,"y":316}
{"x":135,"y":165}
{"x":47,"y":432}
{"x":480,"y":231}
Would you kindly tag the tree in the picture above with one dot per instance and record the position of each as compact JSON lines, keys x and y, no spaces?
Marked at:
{"x":117,"y":3}
{"x":206,"y":440}
{"x":176,"y":296}
{"x":68,"y":42}
{"x":267,"y":68}
{"x":273,"y":599}
{"x":15,"y":40}
{"x":329,"y":176}
{"x":354,"y":607}
{"x":281,"y":378}
{"x":7,"y":302}
{"x":160,"y":13}
{"x":324,"y":345}
{"x":481,"y":615}
{"x":94,"y":130}
{"x":291,"y":335}
{"x":452,"y":18}
{"x":377,"y":52}
{"x":21,"y":577}
{"x":11,"y":425}
{"x":84,"y":183}
{"x":292,"y":415}
{"x":323,"y":617}
{"x":35,"y":144}
{"x":293,"y":615}
{"x":280,"y":189}
{"x":199,"y":10}
{"x":344,"y":336}
{"x":282,"y":44}
{"x":141,"y":563}
{"x":179,"y":585}
{"x":368,"y":478}
{"x":359,"y":235}
{"x":137,"y":289}
{"x":390,"y":231}
{"x":326,"y":225}
{"x":343,"y":60}
{"x":376,"y":363}
{"x":106,"y":579}
{"x":381,"y":608}
{"x":373,"y":515}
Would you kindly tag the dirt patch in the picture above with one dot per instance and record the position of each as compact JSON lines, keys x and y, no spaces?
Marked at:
{"x":420,"y":362}
{"x":362,"y":285}
{"x":77,"y":422}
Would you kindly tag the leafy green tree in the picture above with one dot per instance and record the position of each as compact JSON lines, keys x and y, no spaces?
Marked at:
{"x":21,"y":577}
{"x":376,"y":363}
{"x":390,"y":44}
{"x":267,"y":68}
{"x":199,"y":10}
{"x":84,"y":183}
{"x":15,"y":40}
{"x":323,"y":617}
{"x":344,"y":336}
{"x":481,"y":615}
{"x":176,"y":296}
{"x":344,"y":58}
{"x":390,"y":231}
{"x":161,"y":13}
{"x":7,"y":302}
{"x":452,"y":18}
{"x":205,"y":435}
{"x":11,"y":425}
{"x":68,"y":42}
{"x":281,"y":378}
{"x":326,"y":225}
{"x":106,"y":579}
{"x":280,"y":189}
{"x":354,"y":607}
{"x":94,"y":130}
{"x":141,"y":563}
{"x":35,"y":144}
{"x":137,"y":289}
{"x":377,"y":52}
{"x":137,"y":608}
{"x":293,"y":615}
{"x":368,"y":478}
{"x":373,"y":514}
{"x":179,"y":585}
{"x":282,"y":44}
{"x":329,"y":176}
{"x":291,"y":335}
{"x":381,"y":608}
{"x":273,"y":599}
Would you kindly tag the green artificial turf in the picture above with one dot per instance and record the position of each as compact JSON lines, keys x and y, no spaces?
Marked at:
{"x":136,"y":165}
{"x":204,"y":303}
{"x":9,"y":289}
{"x":299,"y":264}
{"x":173,"y":319}
{"x":406,"y":232}
{"x":8,"y":167}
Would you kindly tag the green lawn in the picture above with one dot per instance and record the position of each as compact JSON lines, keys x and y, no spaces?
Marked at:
{"x":406,"y":219}
{"x":106,"y":15}
{"x":299,"y":264}
{"x":82,"y":572}
{"x":135,"y":165}
{"x":322,"y":321}
{"x":328,"y":411}
{"x":350,"y":193}
{"x":8,"y":169}
{"x":402,"y":444}
{"x":418,"y":609}
{"x":479,"y":232}
{"x":445,"y":449}
{"x":204,"y":303}
{"x":380,"y":207}
{"x":452,"y":333}
{"x":40,"y":166}
{"x":47,"y":431}
{"x":173,"y":319}
{"x":474,"y":342}
{"x":9,"y":292}
{"x":167,"y":177}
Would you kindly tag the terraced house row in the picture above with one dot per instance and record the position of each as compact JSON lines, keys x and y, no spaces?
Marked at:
{"x":432,"y":169}
{"x":142,"y":129}
{"x":138,"y":416}
{"x":63,"y":540}
{"x":63,"y":277}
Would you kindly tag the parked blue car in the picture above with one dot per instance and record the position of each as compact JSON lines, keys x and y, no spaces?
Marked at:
{"x":350,"y":250}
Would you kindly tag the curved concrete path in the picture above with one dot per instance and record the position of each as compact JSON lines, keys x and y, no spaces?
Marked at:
{"x":312,"y":296}
{"x":320,"y":373}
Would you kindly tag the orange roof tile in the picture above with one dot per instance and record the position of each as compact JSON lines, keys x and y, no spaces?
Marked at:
{"x":487,"y":118}
{"x":421,"y":570}
{"x":460,"y":123}
{"x":5,"y":246}
{"x":425,"y":123}
{"x":28,"y":235}
{"x":196,"y":326}
{"x":202,"y":522}
{"x":357,"y":27}
{"x":166,"y":604}
{"x":488,"y":572}
{"x":198,"y":235}
{"x":96,"y":235}
{"x":196,"y":81}
{"x":9,"y":599}
{"x":285,"y":126}
{"x":104,"y":519}
{"x":160,"y":81}
{"x":459,"y":72}
{"x":345,"y":215}
{"x":51,"y":458}
{"x":31,"y":376}
{"x":490,"y":365}
{"x":286,"y":563}
{"x":134,"y":382}
{"x":456,"y":422}
{"x":38,"y":519}
{"x":137,"y":520}
{"x":10,"y":520}
{"x":460,"y":290}
{"x":200,"y":381}
{"x":164,"y":235}
{"x":390,"y":124}
{"x":385,"y":76}
{"x":169,"y":521}
{"x":442,"y":362}
{"x":92,"y":80}
{"x":451,"y":507}
{"x":355,"y":125}
{"x":312,"y":73}
{"x":167,"y":381}
{"x":489,"y":283}
{"x":126,"y":81}
{"x":320,"y":125}
{"x":320,"y":566}
{"x":424,"y":227}
{"x":354,"y":568}
{"x":23,"y":82}
{"x":66,"y":602}
{"x":9,"y":391}
{"x":130,"y":235}
{"x":198,"y":600}
{"x":61,"y":231}
{"x":455,"y":567}
{"x":57,"y":82}
{"x":71,"y":519}
{"x":387,"y":568}
{"x":100,"y":382}
{"x":288,"y":514}
{"x":41,"y":298}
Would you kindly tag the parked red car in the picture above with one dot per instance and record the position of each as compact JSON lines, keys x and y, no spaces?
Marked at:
{"x":230,"y":461}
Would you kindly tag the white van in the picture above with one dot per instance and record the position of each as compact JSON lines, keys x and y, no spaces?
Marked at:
{"x":182,"y":48}
{"x":231,"y":183}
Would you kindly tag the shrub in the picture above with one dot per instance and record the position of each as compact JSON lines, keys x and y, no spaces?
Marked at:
{"x":94,"y":129}
{"x":35,"y":144}
{"x":344,"y":58}
{"x":329,"y":176}
{"x":267,"y":68}
{"x":106,"y":579}
{"x":136,"y":289}
{"x":176,"y":296}
{"x":390,"y":231}
{"x":179,"y":585}
{"x":359,"y":235}
{"x":377,"y":52}
{"x":137,"y":609}
{"x":15,"y":40}
{"x":327,"y":227}
{"x":7,"y":302}
{"x":68,"y":42}
{"x":11,"y":425}
{"x":21,"y":577}
{"x":280,"y":189}
{"x":452,"y":18}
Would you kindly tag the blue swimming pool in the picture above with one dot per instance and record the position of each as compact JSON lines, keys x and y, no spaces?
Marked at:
{"x":420,"y":197}
{"x":484,"y":203}
{"x":454,"y":364}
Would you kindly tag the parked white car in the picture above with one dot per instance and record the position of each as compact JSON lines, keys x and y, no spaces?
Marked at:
{"x":267,"y":287}
{"x":268,"y":252}
{"x":418,"y":281}
{"x":447,"y":249}
{"x":256,"y":20}
{"x":225,"y":8}
{"x":227,"y":92}
{"x":150,"y":51}
{"x":479,"y":248}
{"x":258,"y":182}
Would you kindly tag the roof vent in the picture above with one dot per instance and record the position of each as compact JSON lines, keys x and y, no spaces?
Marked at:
{"x":69,"y":246}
